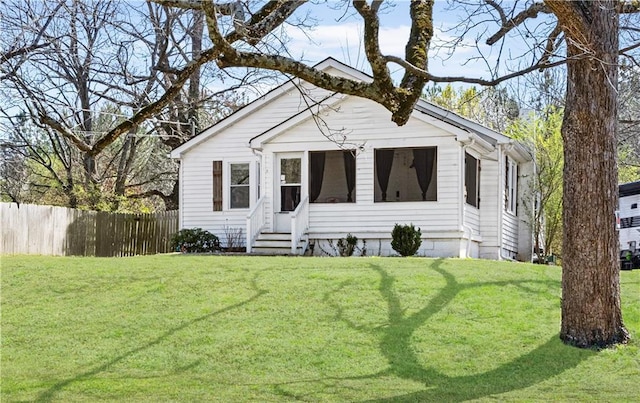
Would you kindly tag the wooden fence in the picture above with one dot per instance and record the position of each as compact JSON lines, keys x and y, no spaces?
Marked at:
{"x":48,"y":230}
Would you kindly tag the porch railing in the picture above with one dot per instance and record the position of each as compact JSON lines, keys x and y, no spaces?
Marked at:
{"x":255,"y":223}
{"x":299,"y":223}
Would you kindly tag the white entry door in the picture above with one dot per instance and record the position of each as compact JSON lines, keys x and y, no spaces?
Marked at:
{"x":288,"y":189}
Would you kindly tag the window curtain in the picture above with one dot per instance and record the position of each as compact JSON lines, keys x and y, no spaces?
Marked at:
{"x":316,"y":162}
{"x":423,"y":161}
{"x":350,"y":172}
{"x":471,"y":179}
{"x":506,"y":183}
{"x":384,"y":162}
{"x":514,"y":188}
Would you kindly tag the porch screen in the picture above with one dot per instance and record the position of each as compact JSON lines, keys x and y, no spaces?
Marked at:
{"x":406,"y":174}
{"x":349,"y":172}
{"x":332,"y":177}
{"x":384,"y":163}
{"x":316,"y":173}
{"x":423,"y":159}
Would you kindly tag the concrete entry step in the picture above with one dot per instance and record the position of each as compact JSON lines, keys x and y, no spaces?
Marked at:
{"x":275,"y":243}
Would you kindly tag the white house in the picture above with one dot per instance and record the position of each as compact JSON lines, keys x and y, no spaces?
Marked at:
{"x":629,"y":212}
{"x":302,"y":167}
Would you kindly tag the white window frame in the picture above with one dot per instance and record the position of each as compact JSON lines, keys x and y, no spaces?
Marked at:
{"x":226,"y":190}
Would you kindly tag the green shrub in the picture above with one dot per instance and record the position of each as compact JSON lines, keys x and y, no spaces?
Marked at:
{"x":348,"y":246}
{"x":195,"y":240}
{"x":405,"y":239}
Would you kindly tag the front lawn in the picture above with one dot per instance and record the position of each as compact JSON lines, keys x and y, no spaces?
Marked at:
{"x":204,"y":328}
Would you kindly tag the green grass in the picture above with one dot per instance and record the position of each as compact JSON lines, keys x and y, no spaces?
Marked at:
{"x":203,"y":328}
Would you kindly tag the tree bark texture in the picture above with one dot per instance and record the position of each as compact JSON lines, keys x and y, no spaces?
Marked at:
{"x":591,"y":315}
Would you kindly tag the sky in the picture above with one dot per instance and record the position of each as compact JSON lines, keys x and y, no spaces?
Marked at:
{"x":338,"y":33}
{"x":339,"y":36}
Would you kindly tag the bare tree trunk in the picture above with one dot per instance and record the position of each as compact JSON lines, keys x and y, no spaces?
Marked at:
{"x":171,"y":201}
{"x":591,"y":315}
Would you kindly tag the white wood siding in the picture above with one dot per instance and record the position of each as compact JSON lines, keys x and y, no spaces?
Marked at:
{"x":525,"y":210}
{"x":230,"y":145}
{"x":509,"y":232}
{"x":471,"y":216}
{"x":510,"y":221}
{"x":490,"y":199}
{"x":472,"y":220}
{"x":328,"y":219}
{"x":367,"y":125}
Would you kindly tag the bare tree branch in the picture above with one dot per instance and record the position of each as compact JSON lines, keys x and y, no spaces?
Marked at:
{"x":462,"y":79}
{"x":372,"y":42}
{"x":10,"y":54}
{"x":273,"y":13}
{"x":629,"y":48}
{"x":35,"y":44}
{"x":508,"y":25}
{"x":60,"y":128}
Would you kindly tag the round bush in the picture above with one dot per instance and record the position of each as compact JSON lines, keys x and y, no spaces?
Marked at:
{"x":195,"y":240}
{"x":405,"y":239}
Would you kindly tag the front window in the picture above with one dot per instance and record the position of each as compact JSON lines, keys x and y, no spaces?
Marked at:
{"x":239,"y":185}
{"x":511,"y":185}
{"x":406,"y":174}
{"x":472,"y":179}
{"x":332,"y":177}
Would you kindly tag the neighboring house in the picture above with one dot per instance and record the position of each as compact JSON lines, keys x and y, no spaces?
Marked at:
{"x":629,"y":213}
{"x":302,"y":167}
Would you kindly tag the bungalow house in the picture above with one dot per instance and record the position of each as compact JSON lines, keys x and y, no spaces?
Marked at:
{"x":301,"y":167}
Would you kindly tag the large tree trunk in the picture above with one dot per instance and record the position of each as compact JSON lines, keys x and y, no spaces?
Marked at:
{"x":591,"y":315}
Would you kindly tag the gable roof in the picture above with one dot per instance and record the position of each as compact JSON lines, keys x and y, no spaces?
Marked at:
{"x":330,"y":101}
{"x":267,"y":98}
{"x":474,"y":129}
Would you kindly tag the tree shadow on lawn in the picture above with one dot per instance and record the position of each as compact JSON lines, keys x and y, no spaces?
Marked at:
{"x":49,"y":394}
{"x":544,"y":362}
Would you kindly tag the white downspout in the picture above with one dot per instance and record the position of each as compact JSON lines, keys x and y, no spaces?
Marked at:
{"x":501,"y":190}
{"x":259,"y":185}
{"x":180,"y":194}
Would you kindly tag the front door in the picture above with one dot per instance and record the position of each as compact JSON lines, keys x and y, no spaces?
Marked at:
{"x":287,"y":190}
